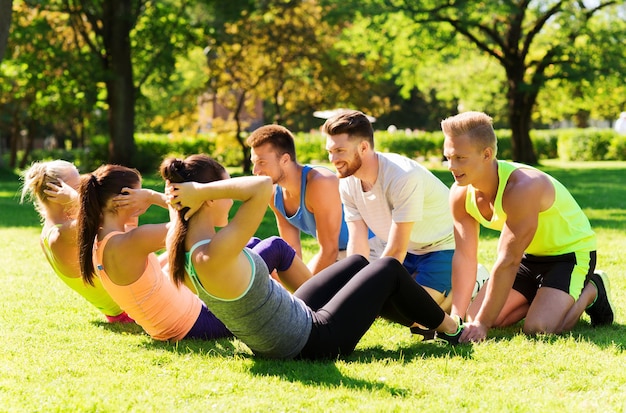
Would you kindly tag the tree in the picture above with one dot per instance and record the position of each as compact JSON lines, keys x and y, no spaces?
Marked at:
{"x":601,"y":92}
{"x":6,"y":8}
{"x":533,"y":42}
{"x":285,"y":54}
{"x":43,"y":93}
{"x":134,"y":41}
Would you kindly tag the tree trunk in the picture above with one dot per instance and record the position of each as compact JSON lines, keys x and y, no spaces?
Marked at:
{"x":31,"y":132}
{"x":14,"y":139}
{"x":521,"y":101}
{"x":245,"y":162}
{"x":120,"y":84}
{"x":6,"y":12}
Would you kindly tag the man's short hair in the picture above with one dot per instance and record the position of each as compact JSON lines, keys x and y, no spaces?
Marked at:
{"x":354,"y":123}
{"x":478,"y":126}
{"x":279,"y":137}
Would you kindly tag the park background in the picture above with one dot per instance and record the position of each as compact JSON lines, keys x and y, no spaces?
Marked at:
{"x":133,"y":81}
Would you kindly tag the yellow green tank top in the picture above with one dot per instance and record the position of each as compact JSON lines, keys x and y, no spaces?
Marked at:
{"x":95,"y":294}
{"x":561,"y":229}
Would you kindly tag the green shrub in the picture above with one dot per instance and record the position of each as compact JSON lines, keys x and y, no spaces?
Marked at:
{"x":422,"y":144}
{"x":545,"y":142}
{"x":617,"y":148}
{"x":310,"y":148}
{"x":584,"y":144}
{"x":566,"y":144}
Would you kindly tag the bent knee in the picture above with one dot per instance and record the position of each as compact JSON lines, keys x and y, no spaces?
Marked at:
{"x":534,"y":327}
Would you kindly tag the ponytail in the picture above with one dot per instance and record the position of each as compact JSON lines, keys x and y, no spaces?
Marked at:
{"x":95,"y":191}
{"x":173,"y":170}
{"x":88,"y":224}
{"x":198,"y":168}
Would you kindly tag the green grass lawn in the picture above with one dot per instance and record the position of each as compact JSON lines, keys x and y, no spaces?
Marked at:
{"x":57,"y":354}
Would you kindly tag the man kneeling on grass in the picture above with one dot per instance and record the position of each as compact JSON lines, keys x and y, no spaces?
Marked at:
{"x":545,"y":266}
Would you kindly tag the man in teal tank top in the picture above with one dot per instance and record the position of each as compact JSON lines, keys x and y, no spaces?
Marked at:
{"x":305,"y":199}
{"x":544,"y":271}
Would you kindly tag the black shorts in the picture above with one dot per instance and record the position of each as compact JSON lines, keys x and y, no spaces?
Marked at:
{"x":567,"y":272}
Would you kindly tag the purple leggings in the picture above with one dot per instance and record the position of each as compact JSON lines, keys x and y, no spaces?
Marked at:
{"x":277,"y":254}
{"x":208,"y":327}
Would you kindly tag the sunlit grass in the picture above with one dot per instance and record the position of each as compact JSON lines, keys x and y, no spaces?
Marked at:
{"x":57,"y":354}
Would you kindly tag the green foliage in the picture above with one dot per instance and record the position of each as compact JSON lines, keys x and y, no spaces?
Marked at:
{"x":421,"y":144}
{"x":584,"y":144}
{"x":311,"y":147}
{"x":566,"y":144}
{"x":617,"y":148}
{"x":545,"y":142}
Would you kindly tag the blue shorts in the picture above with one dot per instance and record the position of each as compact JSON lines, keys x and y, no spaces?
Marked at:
{"x":432,"y":270}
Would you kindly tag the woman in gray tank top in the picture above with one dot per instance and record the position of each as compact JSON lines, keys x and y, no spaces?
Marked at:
{"x":324,"y":318}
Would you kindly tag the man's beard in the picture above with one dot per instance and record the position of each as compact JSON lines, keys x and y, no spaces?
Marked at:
{"x":351,"y":167}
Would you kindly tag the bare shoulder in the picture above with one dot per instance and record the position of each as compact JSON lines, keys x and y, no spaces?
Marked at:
{"x":457,"y":193}
{"x":321,"y":179}
{"x":527,"y":181}
{"x":322,"y":190}
{"x":528,"y":184}
{"x":322,"y":173}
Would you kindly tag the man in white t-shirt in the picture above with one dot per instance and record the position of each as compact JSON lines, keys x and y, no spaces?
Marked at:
{"x":401,"y":202}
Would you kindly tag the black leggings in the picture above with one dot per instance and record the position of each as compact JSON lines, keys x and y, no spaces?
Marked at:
{"x":347,"y":297}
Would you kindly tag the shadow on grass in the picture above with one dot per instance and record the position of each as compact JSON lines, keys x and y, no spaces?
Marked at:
{"x":603,"y":337}
{"x":419,"y":351}
{"x":326,"y":374}
{"x":223,"y":347}
{"x":613,"y":336}
{"x":320,"y":373}
{"x":122,"y":328}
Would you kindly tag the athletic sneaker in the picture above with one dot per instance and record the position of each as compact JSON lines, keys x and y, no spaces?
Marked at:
{"x":601,"y":311}
{"x":452,"y":339}
{"x":427,"y":334}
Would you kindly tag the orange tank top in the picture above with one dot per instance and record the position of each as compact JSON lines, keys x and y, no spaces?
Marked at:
{"x":162,"y":309}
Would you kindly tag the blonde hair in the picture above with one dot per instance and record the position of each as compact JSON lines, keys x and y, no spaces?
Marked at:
{"x":477,"y":126}
{"x":36,"y":179}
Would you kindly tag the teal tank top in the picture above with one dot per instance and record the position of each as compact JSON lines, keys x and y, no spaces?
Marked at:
{"x":562,"y":228}
{"x":266,"y":317}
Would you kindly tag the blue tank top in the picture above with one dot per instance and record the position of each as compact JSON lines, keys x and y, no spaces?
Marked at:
{"x":266,"y":317}
{"x":303,"y":219}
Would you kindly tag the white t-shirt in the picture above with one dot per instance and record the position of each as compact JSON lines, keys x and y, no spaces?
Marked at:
{"x":404,"y":191}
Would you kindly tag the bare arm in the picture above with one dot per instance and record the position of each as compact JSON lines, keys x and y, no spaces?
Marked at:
{"x":358,"y":241}
{"x":517,"y":233}
{"x":228,"y":243}
{"x":139,"y":199}
{"x":323,"y":200}
{"x":399,"y":235}
{"x":464,"y":261}
{"x":125,"y":255}
{"x":287,"y":231}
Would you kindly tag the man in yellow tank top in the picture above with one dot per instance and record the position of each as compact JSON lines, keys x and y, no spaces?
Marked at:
{"x":545,"y":266}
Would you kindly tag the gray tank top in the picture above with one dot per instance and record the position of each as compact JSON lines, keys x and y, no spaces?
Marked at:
{"x":266,"y":317}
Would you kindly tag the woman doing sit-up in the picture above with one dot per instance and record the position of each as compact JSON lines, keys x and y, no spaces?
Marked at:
{"x":52,"y":186}
{"x":324,"y":318}
{"x":124,"y":259}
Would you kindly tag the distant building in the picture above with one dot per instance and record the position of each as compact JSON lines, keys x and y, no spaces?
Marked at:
{"x":210,"y":109}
